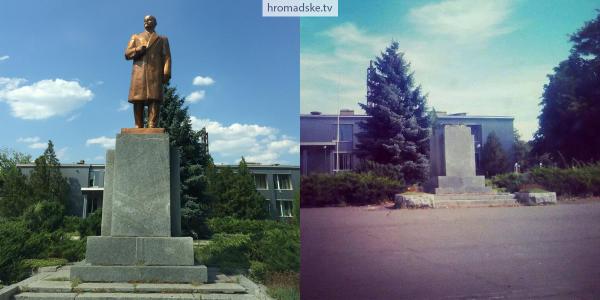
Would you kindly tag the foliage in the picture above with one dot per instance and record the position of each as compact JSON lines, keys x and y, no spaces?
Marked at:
{"x":532,"y":188}
{"x":45,"y":216}
{"x":347,"y":189}
{"x":397,"y":133}
{"x":227,"y":251}
{"x":274,"y":246}
{"x":16,"y":193}
{"x":582,"y":180}
{"x":284,"y":286}
{"x":509,"y":181}
{"x":235,"y":193}
{"x":36,"y":263}
{"x":493,"y":158}
{"x":46,"y":181}
{"x":91,"y":225}
{"x":570,"y":112}
{"x":521,"y":150}
{"x":13,"y":238}
{"x":194,"y":161}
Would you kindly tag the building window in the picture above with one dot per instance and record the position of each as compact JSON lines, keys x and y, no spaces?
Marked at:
{"x":284,"y":207}
{"x":268,"y":206}
{"x":260,"y":180}
{"x":282,"y":181}
{"x":346,"y":134}
{"x":345,"y":161}
{"x":96,"y":178}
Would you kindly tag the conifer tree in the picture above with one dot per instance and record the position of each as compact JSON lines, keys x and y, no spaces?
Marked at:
{"x":236,"y":195}
{"x":194,"y":161}
{"x":396,"y":135}
{"x":493,"y":158}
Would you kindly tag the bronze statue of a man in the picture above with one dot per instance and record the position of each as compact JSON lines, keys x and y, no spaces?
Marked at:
{"x":151,"y":69}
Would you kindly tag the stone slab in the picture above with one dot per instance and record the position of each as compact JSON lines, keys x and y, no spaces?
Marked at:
{"x":102,"y":287}
{"x":118,"y":296}
{"x":46,"y":296}
{"x":421,"y":200}
{"x":142,"y":130}
{"x":108,"y":193}
{"x":228,"y":297}
{"x":141,"y":190}
{"x":459,"y":185}
{"x":536,"y":198}
{"x":459,"y":151}
{"x":157,"y":251}
{"x":153,"y":274}
{"x":48,"y":286}
{"x":175,"y":193}
{"x":226,"y":288}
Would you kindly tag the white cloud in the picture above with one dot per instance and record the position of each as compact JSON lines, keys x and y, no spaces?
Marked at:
{"x":256,"y":143}
{"x":123,"y":106}
{"x":32,"y":139}
{"x":202,"y":81}
{"x":32,"y":142}
{"x":105,"y":142}
{"x":195,"y":96}
{"x":4,"y":57}
{"x":465,"y":20}
{"x":61,"y":154}
{"x":43,"y":99}
{"x":73,"y":117}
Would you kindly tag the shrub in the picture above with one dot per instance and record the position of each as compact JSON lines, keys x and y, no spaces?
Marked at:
{"x":13,"y":239}
{"x":347,"y":188}
{"x":280,"y":250}
{"x":509,"y":181}
{"x":227,"y":251}
{"x":90,"y":225}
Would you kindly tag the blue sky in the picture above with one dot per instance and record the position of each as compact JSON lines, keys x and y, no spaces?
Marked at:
{"x":479,"y":57}
{"x":63,"y":75}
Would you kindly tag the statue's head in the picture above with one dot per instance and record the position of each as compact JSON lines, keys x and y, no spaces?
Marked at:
{"x":150,"y":22}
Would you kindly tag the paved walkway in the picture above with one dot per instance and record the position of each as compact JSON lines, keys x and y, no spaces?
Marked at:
{"x":500,"y":253}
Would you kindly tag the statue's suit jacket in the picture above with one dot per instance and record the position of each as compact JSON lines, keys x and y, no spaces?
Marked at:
{"x":149,"y":68}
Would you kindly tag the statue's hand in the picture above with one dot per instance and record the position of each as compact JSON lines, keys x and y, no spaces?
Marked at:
{"x":140,"y":50}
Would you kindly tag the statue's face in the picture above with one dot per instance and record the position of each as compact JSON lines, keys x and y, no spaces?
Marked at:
{"x":149,"y":23}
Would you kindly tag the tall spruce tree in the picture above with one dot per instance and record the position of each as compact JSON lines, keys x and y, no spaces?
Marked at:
{"x":397,"y":133}
{"x":14,"y":190}
{"x":570,"y":116}
{"x":493,"y":158}
{"x":235,"y":193}
{"x":194,"y":161}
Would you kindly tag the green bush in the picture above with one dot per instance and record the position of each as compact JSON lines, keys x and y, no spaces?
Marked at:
{"x":13,"y":240}
{"x":280,"y":250}
{"x":90,"y":225}
{"x":347,"y":188}
{"x":580,"y":181}
{"x":510,"y":182}
{"x":227,"y":251}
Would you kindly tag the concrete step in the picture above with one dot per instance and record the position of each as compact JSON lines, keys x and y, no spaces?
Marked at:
{"x":475,"y":203}
{"x":117,"y":296}
{"x":44,"y":286}
{"x":444,"y":197}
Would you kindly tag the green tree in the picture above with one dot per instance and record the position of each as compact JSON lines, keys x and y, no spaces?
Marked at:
{"x":397,"y":133}
{"x":521,"y":151}
{"x":194,"y":161}
{"x":46,"y":181}
{"x":235,"y":194}
{"x":14,"y":190}
{"x":493,"y":158}
{"x":570,"y":112}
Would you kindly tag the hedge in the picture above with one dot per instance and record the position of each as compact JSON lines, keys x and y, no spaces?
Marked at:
{"x":580,"y":181}
{"x":347,"y":188}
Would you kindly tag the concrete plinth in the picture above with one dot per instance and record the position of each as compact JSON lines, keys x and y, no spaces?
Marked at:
{"x":461,"y":185}
{"x":141,"y":214}
{"x":155,"y":251}
{"x":155,"y":274}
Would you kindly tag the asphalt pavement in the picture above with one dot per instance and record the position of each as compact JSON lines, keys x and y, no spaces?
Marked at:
{"x":547,"y":252}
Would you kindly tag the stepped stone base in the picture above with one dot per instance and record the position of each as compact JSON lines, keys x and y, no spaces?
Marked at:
{"x":474,"y":200}
{"x":136,"y":251}
{"x":154,"y":274}
{"x":55,"y":285}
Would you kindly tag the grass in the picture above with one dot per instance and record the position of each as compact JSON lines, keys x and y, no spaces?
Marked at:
{"x":284,"y":286}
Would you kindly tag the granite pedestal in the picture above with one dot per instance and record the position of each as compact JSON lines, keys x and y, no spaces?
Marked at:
{"x":141,"y":217}
{"x":453,"y":162}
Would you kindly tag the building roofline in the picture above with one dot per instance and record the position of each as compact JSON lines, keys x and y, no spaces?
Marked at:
{"x":334,"y":116}
{"x":67,"y":165}
{"x":475,"y":117}
{"x":253,"y":166}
